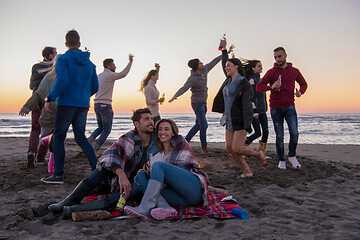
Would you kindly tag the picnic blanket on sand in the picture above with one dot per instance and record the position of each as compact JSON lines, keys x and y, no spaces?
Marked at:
{"x":216,"y":208}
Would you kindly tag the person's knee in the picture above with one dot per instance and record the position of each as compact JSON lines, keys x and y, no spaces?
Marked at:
{"x":229,"y":149}
{"x":159,"y":165}
{"x":106,"y":131}
{"x":238,"y":149}
{"x":294,"y":135}
{"x":80,"y":139}
{"x":257,"y":133}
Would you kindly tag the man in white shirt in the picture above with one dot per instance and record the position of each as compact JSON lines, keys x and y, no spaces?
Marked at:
{"x":103,"y":99}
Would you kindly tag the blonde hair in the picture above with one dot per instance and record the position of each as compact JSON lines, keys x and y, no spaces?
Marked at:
{"x":51,"y":68}
{"x":145,"y":81}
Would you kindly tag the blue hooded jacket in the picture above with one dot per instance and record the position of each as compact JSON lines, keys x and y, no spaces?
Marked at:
{"x":76,"y":80}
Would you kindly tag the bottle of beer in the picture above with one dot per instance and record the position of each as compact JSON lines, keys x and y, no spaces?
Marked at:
{"x":163,"y":96}
{"x":220,"y":48}
{"x":121,"y":203}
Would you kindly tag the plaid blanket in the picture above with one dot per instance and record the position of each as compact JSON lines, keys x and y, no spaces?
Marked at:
{"x":216,"y":208}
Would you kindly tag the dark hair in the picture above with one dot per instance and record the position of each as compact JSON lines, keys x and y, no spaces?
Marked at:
{"x":279,"y":49}
{"x":47,"y":51}
{"x":174,"y":128}
{"x":248,"y":66}
{"x":107,"y":62}
{"x":145,"y":81}
{"x":72,"y":38}
{"x":238,"y":63}
{"x":137,"y":114}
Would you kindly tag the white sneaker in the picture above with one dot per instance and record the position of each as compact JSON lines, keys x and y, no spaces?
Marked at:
{"x":282,"y":165}
{"x":294,"y":162}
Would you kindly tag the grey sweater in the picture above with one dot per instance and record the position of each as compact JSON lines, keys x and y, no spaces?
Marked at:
{"x":198,"y":83}
{"x":46,"y":119}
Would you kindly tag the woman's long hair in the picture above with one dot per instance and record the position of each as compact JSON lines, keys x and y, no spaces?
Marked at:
{"x":51,"y":68}
{"x":145,"y":81}
{"x":248,"y":66}
{"x":174,"y":128}
{"x":238,"y":63}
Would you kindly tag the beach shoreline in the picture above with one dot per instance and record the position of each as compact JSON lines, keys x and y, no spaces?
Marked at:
{"x":319,"y":201}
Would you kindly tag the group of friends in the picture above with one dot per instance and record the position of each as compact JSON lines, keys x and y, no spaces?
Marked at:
{"x":152,"y":163}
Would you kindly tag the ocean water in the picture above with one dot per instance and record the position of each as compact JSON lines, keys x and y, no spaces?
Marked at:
{"x":313,"y":128}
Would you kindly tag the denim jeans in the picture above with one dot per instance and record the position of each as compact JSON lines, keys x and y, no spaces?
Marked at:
{"x":156,"y":119}
{"x":183,"y":188}
{"x":76,"y":116}
{"x":289,"y":114}
{"x":200,"y":123}
{"x":97,"y":177}
{"x":256,"y":123}
{"x":104,"y":117}
{"x":34,"y":138}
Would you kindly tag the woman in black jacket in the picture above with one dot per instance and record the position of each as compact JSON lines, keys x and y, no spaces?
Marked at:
{"x":234,"y":100}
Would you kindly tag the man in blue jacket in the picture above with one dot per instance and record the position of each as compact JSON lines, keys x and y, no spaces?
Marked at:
{"x":76,"y":82}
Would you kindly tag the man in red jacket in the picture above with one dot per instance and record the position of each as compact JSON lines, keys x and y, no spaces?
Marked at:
{"x":280,"y":80}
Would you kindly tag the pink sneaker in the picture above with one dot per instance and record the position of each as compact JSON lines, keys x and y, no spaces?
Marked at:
{"x":161,"y":213}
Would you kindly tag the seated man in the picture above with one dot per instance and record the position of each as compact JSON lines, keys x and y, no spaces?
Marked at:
{"x":119,"y":164}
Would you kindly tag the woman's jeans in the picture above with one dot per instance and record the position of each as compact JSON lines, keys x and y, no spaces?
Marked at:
{"x":156,"y":119}
{"x":97,"y":177}
{"x":262,"y":121}
{"x":200,"y":123}
{"x":76,"y":116}
{"x":289,"y":114}
{"x":104,"y":117}
{"x":183,"y":188}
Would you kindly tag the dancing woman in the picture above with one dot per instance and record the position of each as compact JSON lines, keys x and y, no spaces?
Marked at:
{"x":148,"y":87}
{"x":234,"y":100}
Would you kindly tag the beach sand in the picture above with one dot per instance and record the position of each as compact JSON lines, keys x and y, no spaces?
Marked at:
{"x":319,"y":201}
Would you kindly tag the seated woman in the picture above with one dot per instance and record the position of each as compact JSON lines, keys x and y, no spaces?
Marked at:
{"x":175,"y":180}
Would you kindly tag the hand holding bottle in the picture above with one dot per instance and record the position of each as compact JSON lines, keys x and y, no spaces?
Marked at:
{"x":162,"y":99}
{"x":277,"y":84}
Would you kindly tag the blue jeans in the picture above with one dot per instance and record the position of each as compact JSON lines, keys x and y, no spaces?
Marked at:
{"x":97,"y":177}
{"x":183,"y":188}
{"x":76,"y":116}
{"x":256,"y":123}
{"x":156,"y":119}
{"x":289,"y":114}
{"x":104,"y":117}
{"x":200,"y":123}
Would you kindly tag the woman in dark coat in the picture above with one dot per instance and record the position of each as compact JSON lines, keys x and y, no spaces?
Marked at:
{"x":234,"y":100}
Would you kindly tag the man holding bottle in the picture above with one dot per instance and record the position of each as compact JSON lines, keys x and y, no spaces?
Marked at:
{"x":280,"y":80}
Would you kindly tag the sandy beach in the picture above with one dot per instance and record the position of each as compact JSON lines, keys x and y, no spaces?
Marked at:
{"x":319,"y":201}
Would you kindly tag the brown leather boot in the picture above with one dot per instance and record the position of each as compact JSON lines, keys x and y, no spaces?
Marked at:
{"x":262,"y":146}
{"x":205,"y":150}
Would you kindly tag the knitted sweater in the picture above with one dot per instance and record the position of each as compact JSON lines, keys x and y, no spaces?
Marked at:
{"x":197,"y":82}
{"x":106,"y":84}
{"x":151,"y":96}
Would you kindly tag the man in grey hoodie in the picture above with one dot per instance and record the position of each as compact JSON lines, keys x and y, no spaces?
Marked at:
{"x":197,"y":82}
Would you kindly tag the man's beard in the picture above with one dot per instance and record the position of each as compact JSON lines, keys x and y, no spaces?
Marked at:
{"x":149,"y":132}
{"x":282,"y":63}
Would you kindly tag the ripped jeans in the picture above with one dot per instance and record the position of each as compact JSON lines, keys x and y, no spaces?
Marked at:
{"x":289,"y":114}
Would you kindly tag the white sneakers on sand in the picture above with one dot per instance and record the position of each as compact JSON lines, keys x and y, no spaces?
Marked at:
{"x":294,"y":162}
{"x":282,"y":165}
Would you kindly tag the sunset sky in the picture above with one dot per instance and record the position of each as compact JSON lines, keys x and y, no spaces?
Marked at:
{"x":321,"y":38}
